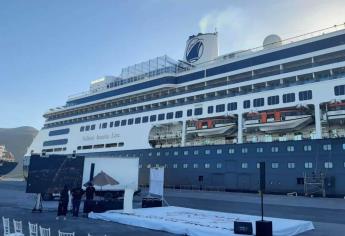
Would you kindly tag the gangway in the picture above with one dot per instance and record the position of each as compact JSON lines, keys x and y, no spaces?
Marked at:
{"x":314,"y":184}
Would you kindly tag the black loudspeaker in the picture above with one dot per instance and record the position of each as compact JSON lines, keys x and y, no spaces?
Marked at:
{"x":263,"y":228}
{"x":92,"y":171}
{"x":243,"y":228}
{"x":262,"y":176}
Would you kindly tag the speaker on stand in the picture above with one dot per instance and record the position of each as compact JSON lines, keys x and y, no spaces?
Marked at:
{"x":263,"y":227}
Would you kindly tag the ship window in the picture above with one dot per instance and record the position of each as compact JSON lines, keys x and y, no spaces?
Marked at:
{"x":189,"y":112}
{"x":79,"y":148}
{"x":195,"y":166}
{"x":220,"y":108}
{"x":307,"y":148}
{"x":130,"y":121}
{"x":185,"y":166}
{"x":308,"y":165}
{"x":82,"y":128}
{"x":232,"y":106}
{"x":207,"y":152}
{"x":153,"y":118}
{"x":343,"y":146}
{"x":328,"y":165}
{"x":87,"y":128}
{"x":259,"y":149}
{"x":339,"y":90}
{"x":158,"y":154}
{"x":275,"y":165}
{"x":137,"y":120}
{"x":272,"y":100}
{"x":274,"y":149}
{"x":178,"y":114}
{"x":258,"y":165}
{"x":290,"y":148}
{"x":231,"y":150}
{"x":219,"y":151}
{"x":121,"y":144}
{"x":175,"y":166}
{"x":244,"y":150}
{"x":104,"y":125}
{"x":246,"y":104}
{"x":93,"y":127}
{"x":185,"y":153}
{"x":111,"y":124}
{"x":148,"y":166}
{"x":170,"y":115}
{"x":259,"y":102}
{"x":196,"y":152}
{"x":288,"y":97}
{"x":166,"y":154}
{"x":175,"y":153}
{"x":291,"y":165}
{"x":207,"y":165}
{"x":305,"y":95}
{"x":145,"y":119}
{"x":327,"y":147}
{"x":198,"y":111}
{"x":244,"y":165}
{"x":123,"y":122}
{"x":98,"y":146}
{"x":87,"y":147}
{"x":219,"y":165}
{"x":150,"y":154}
{"x":210,"y":109}
{"x":161,"y":116}
{"x":109,"y":145}
{"x":117,"y":123}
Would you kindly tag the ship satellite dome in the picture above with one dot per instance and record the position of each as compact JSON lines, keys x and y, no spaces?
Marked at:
{"x":272,"y":41}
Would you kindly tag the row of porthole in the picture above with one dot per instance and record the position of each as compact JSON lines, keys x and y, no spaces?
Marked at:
{"x":244,"y":165}
{"x":306,"y":148}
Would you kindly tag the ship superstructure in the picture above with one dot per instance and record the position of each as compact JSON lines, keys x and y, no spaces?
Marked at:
{"x":7,"y":161}
{"x":210,"y":119}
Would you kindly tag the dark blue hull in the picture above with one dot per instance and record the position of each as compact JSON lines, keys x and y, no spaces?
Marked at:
{"x":6,"y":167}
{"x":234,"y":168}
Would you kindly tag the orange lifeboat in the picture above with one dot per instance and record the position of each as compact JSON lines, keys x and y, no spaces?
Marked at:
{"x":264,"y":117}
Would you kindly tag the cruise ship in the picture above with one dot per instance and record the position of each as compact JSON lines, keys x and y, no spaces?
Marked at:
{"x":209,"y":119}
{"x":7,"y":161}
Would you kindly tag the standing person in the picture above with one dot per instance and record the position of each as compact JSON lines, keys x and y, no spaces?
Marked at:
{"x":89,"y":192}
{"x":77,"y":193}
{"x":63,"y":203}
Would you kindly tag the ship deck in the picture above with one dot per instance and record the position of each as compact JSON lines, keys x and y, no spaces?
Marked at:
{"x":326,"y":214}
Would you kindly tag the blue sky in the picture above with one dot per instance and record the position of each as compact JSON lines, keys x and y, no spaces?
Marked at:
{"x":52,"y":49}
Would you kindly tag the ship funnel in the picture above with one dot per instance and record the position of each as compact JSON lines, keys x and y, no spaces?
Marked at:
{"x":201,"y":48}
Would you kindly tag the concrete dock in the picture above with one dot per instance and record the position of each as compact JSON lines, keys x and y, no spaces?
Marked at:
{"x":327,"y":214}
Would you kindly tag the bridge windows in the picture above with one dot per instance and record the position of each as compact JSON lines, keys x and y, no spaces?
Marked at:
{"x":123,"y":122}
{"x":170,"y":115}
{"x":189,"y":112}
{"x":137,"y":120}
{"x":153,"y":118}
{"x":130,"y":121}
{"x":117,"y":123}
{"x":161,"y":116}
{"x":145,"y":119}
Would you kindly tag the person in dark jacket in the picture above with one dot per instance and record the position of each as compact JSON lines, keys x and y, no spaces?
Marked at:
{"x":77,"y":194}
{"x":63,"y":203}
{"x":89,"y":192}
